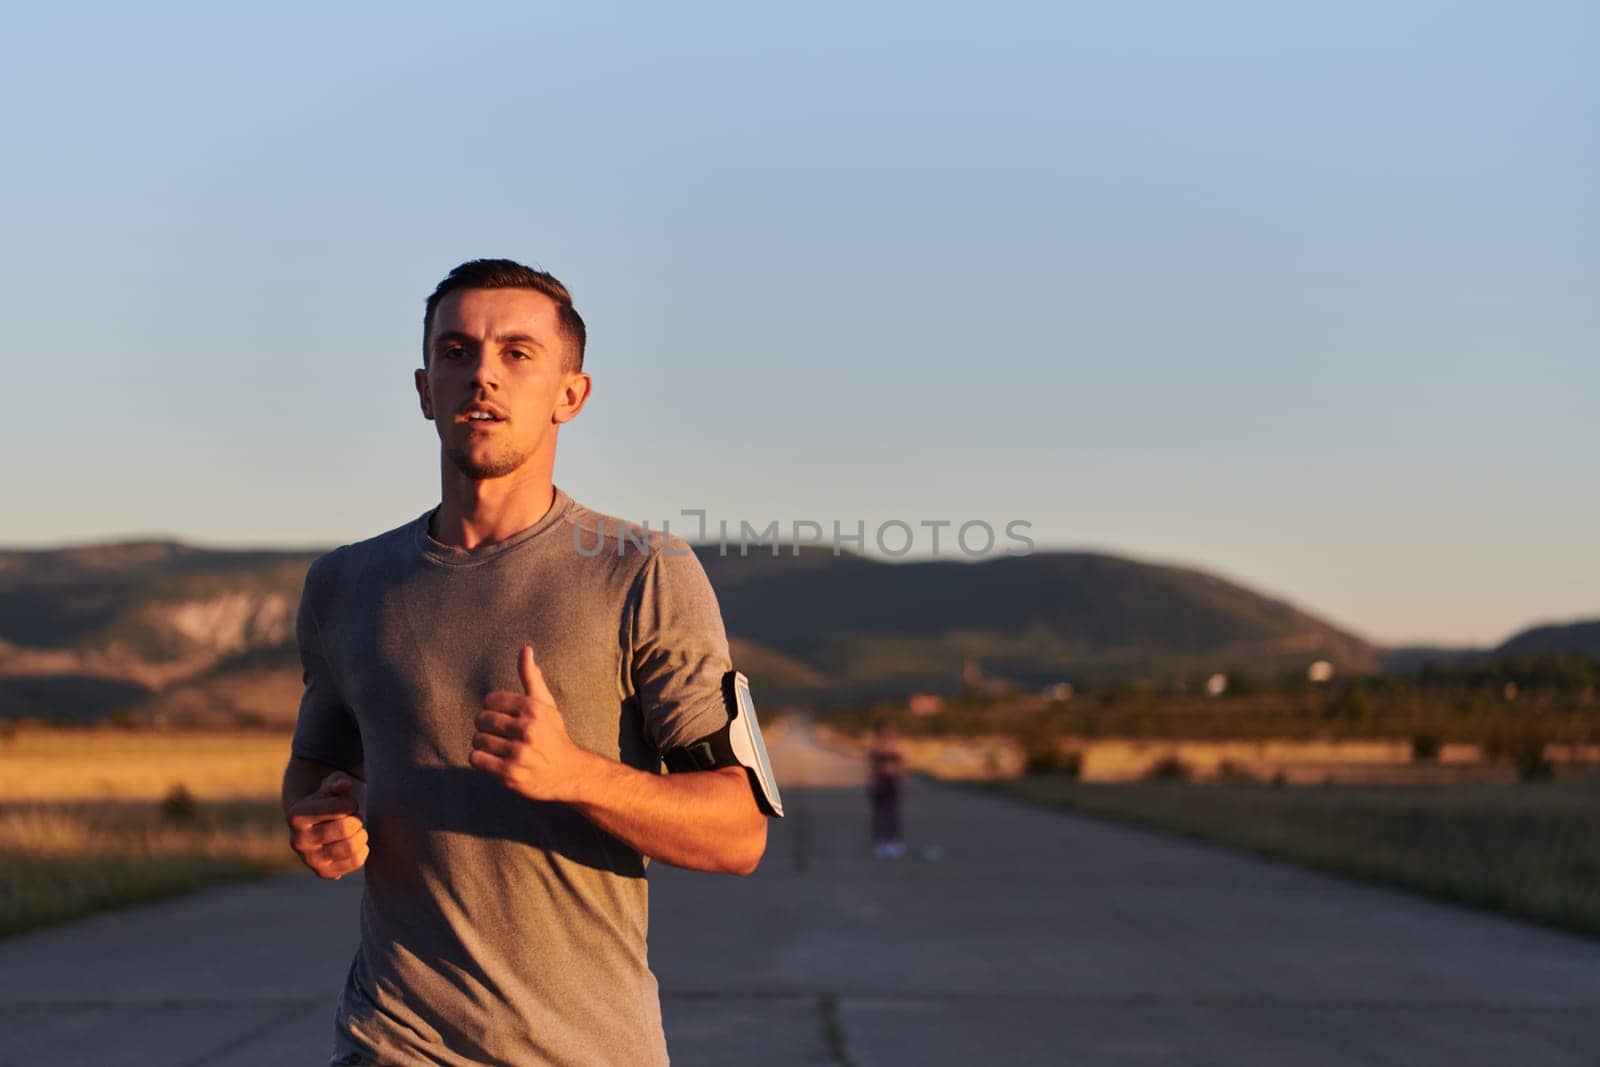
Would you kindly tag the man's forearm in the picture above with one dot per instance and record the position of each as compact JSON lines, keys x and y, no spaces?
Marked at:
{"x":703,"y":820}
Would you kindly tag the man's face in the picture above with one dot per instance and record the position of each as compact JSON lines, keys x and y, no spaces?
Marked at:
{"x":497,"y":384}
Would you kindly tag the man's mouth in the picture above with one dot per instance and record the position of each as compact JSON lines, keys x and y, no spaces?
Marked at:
{"x":480,"y":416}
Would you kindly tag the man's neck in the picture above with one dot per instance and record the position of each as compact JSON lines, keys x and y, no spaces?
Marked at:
{"x":474,"y":513}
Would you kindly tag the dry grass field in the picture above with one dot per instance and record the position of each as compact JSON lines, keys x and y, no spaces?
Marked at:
{"x":1529,"y":849}
{"x":97,"y":818}
{"x":112,"y":764}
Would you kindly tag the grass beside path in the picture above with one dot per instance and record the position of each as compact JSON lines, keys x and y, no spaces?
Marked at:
{"x":1531,"y":850}
{"x":60,"y":861}
{"x":94,"y":819}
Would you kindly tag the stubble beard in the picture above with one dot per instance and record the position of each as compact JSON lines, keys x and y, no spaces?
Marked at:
{"x":498,"y":464}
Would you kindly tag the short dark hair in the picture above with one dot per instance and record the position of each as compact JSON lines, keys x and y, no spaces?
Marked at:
{"x":508,"y":274}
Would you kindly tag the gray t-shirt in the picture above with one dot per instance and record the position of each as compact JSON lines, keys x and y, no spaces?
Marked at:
{"x":497,"y":929}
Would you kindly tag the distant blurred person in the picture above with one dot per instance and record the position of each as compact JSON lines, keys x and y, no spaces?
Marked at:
{"x":885,"y":781}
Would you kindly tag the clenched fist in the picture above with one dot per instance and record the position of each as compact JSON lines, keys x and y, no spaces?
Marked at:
{"x":326,"y":828}
{"x":522,"y":739}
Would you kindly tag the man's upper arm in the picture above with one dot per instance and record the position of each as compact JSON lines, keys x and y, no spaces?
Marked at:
{"x":326,"y":729}
{"x":680,"y":652}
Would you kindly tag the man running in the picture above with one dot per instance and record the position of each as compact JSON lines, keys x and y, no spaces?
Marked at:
{"x":490,"y":689}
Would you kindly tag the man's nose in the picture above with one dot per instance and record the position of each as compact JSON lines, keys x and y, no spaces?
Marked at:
{"x":486,"y":369}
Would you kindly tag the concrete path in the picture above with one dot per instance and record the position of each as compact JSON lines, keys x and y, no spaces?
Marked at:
{"x":1033,"y":938}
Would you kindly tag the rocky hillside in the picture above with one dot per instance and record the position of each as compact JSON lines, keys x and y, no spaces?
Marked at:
{"x":88,"y":631}
{"x":184,"y":634}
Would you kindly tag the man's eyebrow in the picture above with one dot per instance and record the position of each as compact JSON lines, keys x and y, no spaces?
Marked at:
{"x":450,"y":335}
{"x":502,"y":339}
{"x":519,"y":339}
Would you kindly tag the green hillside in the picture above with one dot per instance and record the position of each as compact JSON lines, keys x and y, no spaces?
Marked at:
{"x":869,"y":626}
{"x":1581,"y":636}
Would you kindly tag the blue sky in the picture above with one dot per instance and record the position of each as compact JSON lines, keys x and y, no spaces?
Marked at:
{"x":1303,"y":295}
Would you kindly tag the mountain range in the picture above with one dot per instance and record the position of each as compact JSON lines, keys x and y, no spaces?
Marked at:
{"x":165,"y":630}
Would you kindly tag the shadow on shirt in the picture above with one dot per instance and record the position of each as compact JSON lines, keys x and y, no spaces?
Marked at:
{"x":464,"y":800}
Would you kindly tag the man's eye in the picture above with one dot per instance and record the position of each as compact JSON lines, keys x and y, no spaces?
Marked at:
{"x":517,"y":353}
{"x":453,"y":352}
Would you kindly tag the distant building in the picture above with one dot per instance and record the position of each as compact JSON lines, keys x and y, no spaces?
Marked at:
{"x":1320,"y":671}
{"x":1216,"y":685}
{"x":925,"y":704}
{"x":971,"y":673}
{"x":1060,"y":692}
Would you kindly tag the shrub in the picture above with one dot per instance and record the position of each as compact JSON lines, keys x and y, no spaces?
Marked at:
{"x":1522,"y":740}
{"x":1044,"y":754}
{"x":179,"y":805}
{"x":1167,"y":769}
{"x":1066,"y":762}
{"x":1425,"y":745}
{"x":1531,"y":763}
{"x":1234,"y":773}
{"x":1351,"y":704}
{"x":1116,"y":691}
{"x":1242,"y":683}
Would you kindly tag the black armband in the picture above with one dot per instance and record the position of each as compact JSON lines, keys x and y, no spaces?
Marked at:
{"x":738,"y":743}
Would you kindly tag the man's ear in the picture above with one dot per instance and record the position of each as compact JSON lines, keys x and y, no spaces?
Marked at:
{"x":574,"y":393}
{"x":421,"y":379}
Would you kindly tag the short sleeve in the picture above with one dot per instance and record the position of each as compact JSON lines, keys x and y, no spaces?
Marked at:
{"x":680,"y":651}
{"x":326,"y":730}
